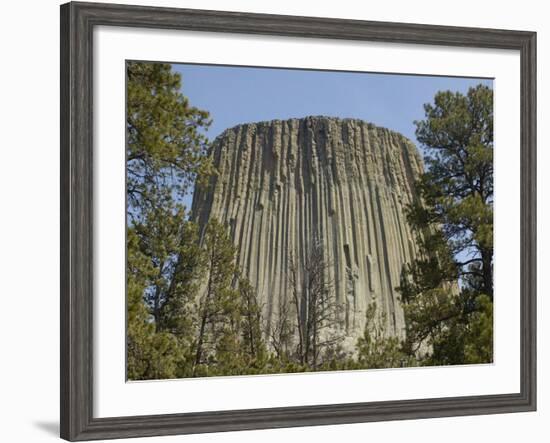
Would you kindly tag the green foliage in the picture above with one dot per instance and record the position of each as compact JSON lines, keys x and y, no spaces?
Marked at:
{"x":448,"y":291}
{"x":253,"y":347}
{"x":229,"y":339}
{"x":166,"y":146}
{"x":456,"y":192}
{"x":151,"y":354}
{"x":218,"y":308}
{"x":375,"y":349}
{"x":165,"y":152}
{"x":478,"y":347}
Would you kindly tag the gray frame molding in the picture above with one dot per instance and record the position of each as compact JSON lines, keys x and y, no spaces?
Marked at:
{"x":77,"y":24}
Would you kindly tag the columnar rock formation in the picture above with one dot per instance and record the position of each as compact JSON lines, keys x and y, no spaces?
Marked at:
{"x":283,"y":185}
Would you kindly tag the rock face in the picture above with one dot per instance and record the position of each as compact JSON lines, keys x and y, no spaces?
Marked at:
{"x":283,"y":185}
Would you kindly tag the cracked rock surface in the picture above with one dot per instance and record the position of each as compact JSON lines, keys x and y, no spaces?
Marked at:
{"x":282,"y":185}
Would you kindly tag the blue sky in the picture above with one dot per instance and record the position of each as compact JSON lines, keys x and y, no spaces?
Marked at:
{"x":235,"y":95}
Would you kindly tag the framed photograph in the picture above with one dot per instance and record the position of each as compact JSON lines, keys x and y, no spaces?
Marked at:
{"x":272,"y":221}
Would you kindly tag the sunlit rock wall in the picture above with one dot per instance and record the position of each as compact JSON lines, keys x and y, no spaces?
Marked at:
{"x":343,"y":182}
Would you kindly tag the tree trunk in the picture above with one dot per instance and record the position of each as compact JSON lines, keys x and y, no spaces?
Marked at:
{"x":487,"y":259}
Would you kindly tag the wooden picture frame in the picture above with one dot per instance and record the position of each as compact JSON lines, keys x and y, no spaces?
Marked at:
{"x":77,"y":23}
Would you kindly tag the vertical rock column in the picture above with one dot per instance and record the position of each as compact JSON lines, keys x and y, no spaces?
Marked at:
{"x":282,"y":185}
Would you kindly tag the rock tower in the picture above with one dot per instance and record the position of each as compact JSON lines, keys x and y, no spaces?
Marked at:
{"x":344,"y":183}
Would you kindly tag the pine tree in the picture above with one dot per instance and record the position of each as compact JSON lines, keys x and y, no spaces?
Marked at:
{"x":150,"y":354}
{"x":377,"y":350}
{"x":166,"y":146}
{"x":253,"y":347}
{"x":166,"y":150}
{"x":218,"y":308}
{"x":448,"y":290}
